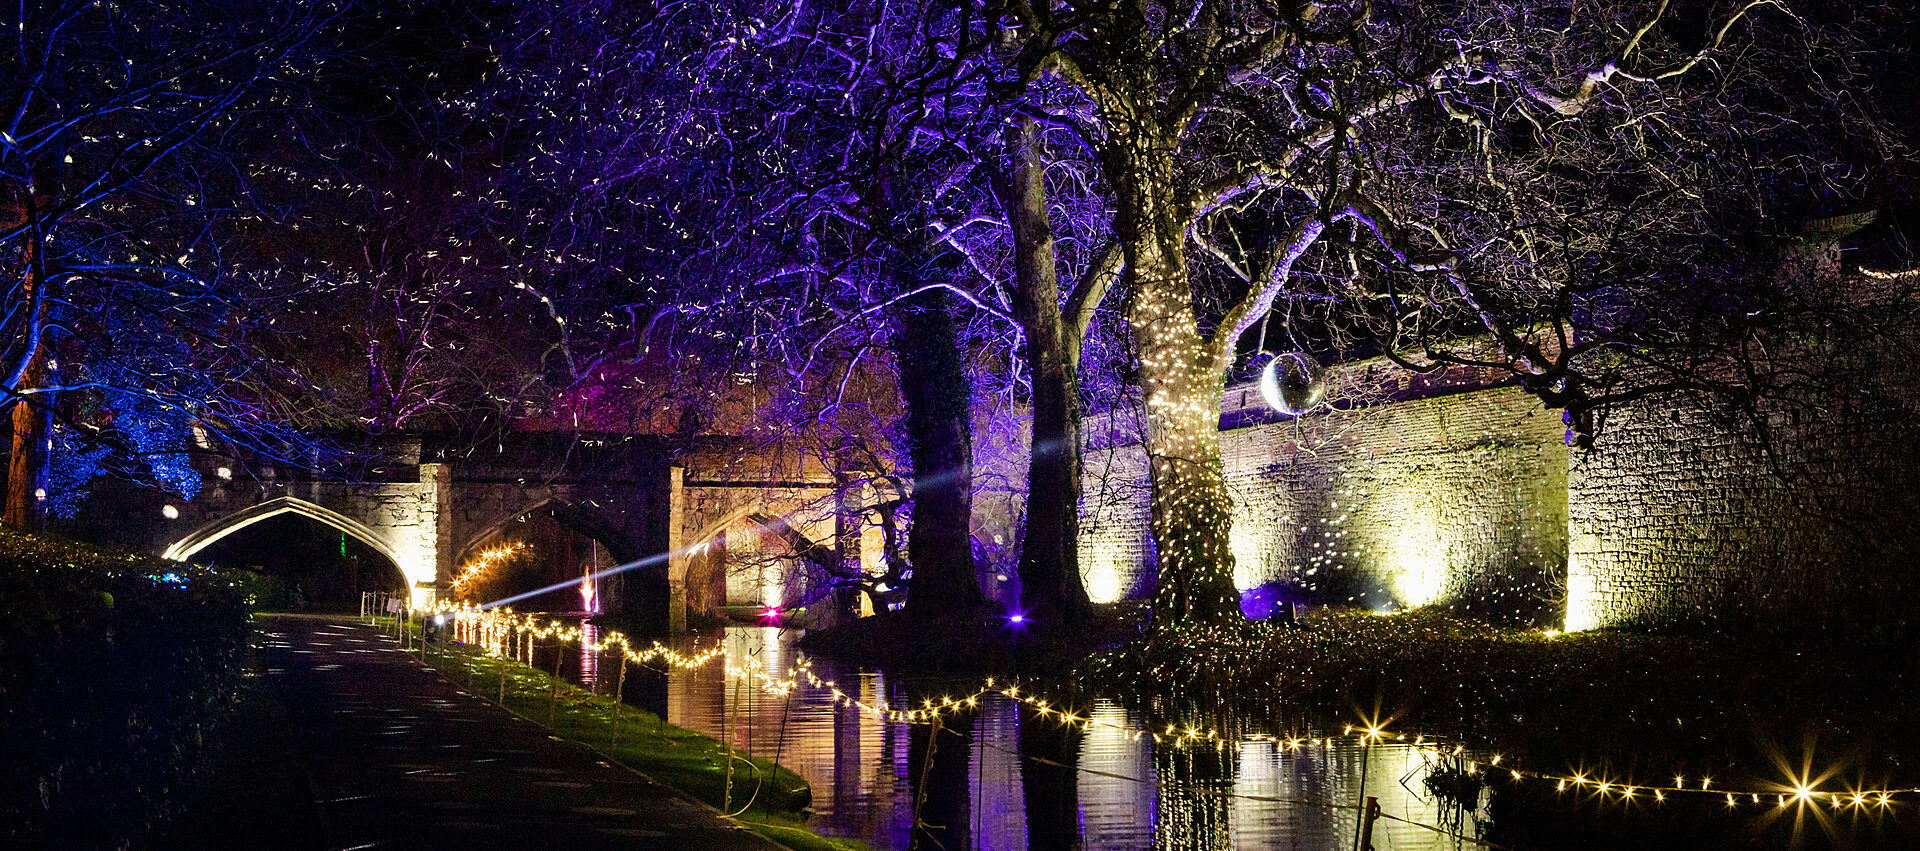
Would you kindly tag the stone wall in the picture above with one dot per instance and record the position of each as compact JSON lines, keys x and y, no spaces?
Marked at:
{"x":1457,"y":499}
{"x":1687,"y":516}
{"x":1790,"y":511}
{"x":1117,"y":560}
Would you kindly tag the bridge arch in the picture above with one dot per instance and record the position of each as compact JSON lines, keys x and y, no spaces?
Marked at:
{"x":751,"y":511}
{"x":576,"y":522}
{"x":416,"y":570}
{"x":572,"y":515}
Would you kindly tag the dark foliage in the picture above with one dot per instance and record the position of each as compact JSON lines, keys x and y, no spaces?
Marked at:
{"x":112,"y":669}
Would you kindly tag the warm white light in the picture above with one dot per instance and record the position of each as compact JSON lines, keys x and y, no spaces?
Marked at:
{"x":170,"y":512}
{"x":1582,"y":597}
{"x":1103,"y":579}
{"x":1416,"y":558}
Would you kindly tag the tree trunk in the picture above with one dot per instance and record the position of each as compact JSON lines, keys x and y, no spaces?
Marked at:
{"x":1191,"y":510}
{"x":28,"y":457}
{"x":933,"y":382}
{"x":28,"y":460}
{"x":1049,"y":549}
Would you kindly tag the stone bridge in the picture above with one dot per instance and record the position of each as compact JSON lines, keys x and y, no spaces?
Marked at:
{"x":428,"y":507}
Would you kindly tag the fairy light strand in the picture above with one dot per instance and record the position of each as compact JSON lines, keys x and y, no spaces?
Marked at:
{"x":495,"y":625}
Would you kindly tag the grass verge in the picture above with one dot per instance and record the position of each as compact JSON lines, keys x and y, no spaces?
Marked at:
{"x":768,"y":798}
{"x":252,"y":783}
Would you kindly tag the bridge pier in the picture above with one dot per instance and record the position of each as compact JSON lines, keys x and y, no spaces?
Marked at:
{"x":677,"y":550}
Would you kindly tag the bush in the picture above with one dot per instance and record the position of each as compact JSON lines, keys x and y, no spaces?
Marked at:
{"x":112,"y":666}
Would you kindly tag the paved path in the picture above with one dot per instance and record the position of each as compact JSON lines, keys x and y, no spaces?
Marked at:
{"x":401,"y":758}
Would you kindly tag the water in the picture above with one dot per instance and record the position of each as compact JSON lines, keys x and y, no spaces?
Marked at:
{"x":1010,"y":779}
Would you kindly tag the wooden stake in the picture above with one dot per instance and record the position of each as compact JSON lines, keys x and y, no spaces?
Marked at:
{"x":619,"y":697}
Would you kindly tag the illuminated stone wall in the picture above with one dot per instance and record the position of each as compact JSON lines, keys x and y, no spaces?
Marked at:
{"x":1793,"y":515}
{"x":1117,"y":561}
{"x":1116,"y":535}
{"x":1683,"y":517}
{"x":1457,"y":499}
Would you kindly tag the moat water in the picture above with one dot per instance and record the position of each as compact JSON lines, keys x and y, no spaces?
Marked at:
{"x":1009,"y":779}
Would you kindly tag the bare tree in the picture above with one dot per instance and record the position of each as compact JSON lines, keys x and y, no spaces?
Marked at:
{"x":114,"y":169}
{"x":1392,"y":175}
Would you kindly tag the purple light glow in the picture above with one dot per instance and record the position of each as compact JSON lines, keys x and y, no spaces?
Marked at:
{"x":1262,"y":602}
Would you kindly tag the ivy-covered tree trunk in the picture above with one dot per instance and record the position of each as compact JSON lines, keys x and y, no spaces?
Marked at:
{"x":28,"y":457}
{"x":1050,"y":581}
{"x":27,"y":461}
{"x":933,"y":382}
{"x":1191,"y":510}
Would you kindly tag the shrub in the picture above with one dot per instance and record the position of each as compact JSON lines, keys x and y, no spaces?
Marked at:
{"x":112,"y":666}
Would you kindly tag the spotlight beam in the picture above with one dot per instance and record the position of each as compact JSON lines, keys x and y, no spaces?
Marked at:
{"x":575,"y":583}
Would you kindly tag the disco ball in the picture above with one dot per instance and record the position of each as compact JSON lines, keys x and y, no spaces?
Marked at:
{"x":1293,"y":383}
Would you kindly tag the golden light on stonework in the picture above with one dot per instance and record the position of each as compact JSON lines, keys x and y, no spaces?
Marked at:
{"x":1414,"y":552}
{"x":1582,"y":595}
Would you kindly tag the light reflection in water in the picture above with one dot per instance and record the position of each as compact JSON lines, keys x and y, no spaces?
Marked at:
{"x":863,"y":771}
{"x":589,"y":661}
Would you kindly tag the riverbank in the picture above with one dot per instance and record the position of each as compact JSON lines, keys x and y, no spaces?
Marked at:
{"x":759,"y":794}
{"x":1568,"y":696}
{"x":1748,"y":712}
{"x":986,"y":642}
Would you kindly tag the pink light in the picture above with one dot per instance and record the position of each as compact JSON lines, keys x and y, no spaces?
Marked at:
{"x":589,"y":595}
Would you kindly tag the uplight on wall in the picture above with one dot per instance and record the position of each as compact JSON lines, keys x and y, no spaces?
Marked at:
{"x":1250,"y":542}
{"x":1103,"y":580}
{"x":1415,"y":558}
{"x":1583,"y":595}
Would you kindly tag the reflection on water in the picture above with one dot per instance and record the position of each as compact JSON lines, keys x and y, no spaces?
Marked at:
{"x":589,"y":662}
{"x":1007,"y":779}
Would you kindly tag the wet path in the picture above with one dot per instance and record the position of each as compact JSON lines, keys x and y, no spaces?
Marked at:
{"x":401,"y":758}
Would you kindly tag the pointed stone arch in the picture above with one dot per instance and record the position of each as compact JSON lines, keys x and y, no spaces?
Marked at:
{"x":751,"y":510}
{"x":414,"y":569}
{"x":212,"y":532}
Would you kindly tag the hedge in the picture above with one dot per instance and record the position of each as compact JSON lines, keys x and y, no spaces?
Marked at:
{"x":112,"y":669}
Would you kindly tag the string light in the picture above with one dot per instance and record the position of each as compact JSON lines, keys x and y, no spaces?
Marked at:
{"x":496,"y":623}
{"x":485,"y":561}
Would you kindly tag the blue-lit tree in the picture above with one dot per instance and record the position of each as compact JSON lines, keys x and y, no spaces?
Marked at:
{"x":124,"y":322}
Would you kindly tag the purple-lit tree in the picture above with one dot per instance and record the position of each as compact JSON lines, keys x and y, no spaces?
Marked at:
{"x":1518,"y":187}
{"x":768,"y":194}
{"x":911,"y":189}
